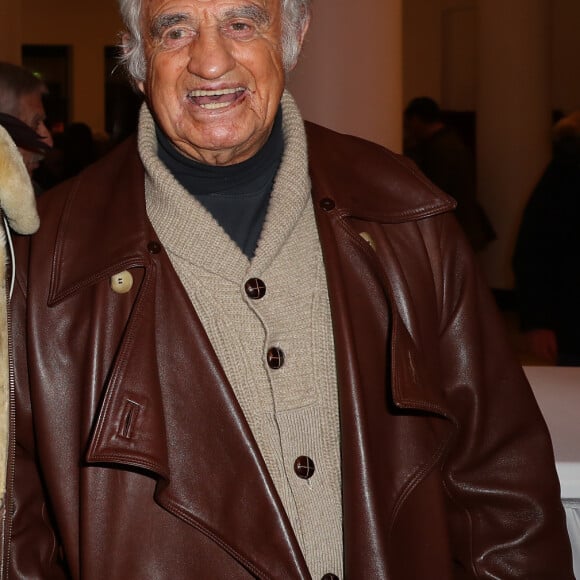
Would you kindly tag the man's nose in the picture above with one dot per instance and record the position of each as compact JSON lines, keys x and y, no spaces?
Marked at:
{"x":45,"y":134}
{"x":210,"y":54}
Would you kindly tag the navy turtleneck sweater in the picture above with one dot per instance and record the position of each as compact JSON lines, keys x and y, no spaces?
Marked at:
{"x":237,"y":195}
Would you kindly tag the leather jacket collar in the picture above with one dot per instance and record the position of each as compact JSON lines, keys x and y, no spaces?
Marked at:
{"x":114,"y":247}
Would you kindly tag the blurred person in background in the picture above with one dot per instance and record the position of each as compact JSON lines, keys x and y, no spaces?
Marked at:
{"x":21,"y":94}
{"x":445,"y":159}
{"x":31,"y":145}
{"x":547,"y":254}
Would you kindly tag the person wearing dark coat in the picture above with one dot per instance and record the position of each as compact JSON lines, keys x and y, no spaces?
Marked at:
{"x":444,"y":157}
{"x":547,"y":254}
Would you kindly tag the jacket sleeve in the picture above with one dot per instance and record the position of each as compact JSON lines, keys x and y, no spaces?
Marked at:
{"x":34,"y":549}
{"x":507,"y":518}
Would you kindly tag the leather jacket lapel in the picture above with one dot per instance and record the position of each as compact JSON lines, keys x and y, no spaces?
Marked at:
{"x":166,"y":377}
{"x":394,"y":429}
{"x":212,"y":476}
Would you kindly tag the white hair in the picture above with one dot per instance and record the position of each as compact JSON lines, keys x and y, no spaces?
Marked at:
{"x":295,"y":15}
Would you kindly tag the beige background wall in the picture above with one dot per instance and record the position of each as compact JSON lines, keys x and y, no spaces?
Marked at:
{"x":454,"y":81}
{"x":424,"y":46}
{"x":10,"y":30}
{"x":565,"y":53}
{"x":87,"y":26}
{"x":350,"y":74}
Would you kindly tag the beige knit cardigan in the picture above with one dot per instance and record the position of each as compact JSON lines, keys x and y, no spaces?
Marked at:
{"x":292,"y":411}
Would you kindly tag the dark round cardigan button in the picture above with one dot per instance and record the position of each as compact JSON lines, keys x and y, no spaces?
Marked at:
{"x":327,"y":204}
{"x":154,"y":247}
{"x":275,"y":357}
{"x":304,"y":467}
{"x":255,"y":288}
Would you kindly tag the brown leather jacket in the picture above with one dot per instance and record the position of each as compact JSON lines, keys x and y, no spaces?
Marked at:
{"x":133,"y":459}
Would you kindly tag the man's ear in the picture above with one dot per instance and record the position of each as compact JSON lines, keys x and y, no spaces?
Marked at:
{"x":125,"y":42}
{"x":304,"y":30}
{"x":301,"y":38}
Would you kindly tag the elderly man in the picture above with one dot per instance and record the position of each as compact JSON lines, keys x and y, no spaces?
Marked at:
{"x":259,"y":350}
{"x":547,"y":247}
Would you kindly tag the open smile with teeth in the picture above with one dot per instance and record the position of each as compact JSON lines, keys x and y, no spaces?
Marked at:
{"x":216,"y":99}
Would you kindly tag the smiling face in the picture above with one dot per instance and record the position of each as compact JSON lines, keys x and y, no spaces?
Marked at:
{"x":214,"y":74}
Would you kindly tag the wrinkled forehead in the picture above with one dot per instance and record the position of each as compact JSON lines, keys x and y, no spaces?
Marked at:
{"x":219,"y":8}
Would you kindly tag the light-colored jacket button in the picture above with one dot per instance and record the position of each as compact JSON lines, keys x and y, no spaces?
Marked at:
{"x":122,"y":282}
{"x":368,"y":238}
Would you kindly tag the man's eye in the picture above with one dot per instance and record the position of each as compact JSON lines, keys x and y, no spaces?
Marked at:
{"x":177,"y":36}
{"x":240,"y":30}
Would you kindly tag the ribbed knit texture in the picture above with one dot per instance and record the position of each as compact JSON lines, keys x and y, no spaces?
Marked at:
{"x":291,"y":411}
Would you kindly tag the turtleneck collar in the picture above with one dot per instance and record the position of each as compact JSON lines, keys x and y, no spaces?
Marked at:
{"x":243,"y":178}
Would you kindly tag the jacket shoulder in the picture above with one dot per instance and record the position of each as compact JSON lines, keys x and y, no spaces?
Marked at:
{"x":368,"y":180}
{"x":94,"y":223}
{"x":97,"y":182}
